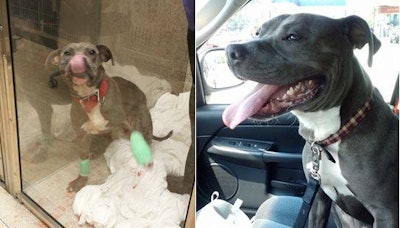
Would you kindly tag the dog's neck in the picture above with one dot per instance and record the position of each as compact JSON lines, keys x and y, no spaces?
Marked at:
{"x":360,"y":92}
{"x":319,"y":125}
{"x":84,"y":90}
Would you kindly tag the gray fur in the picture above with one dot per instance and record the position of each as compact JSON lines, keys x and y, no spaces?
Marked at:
{"x":369,"y":155}
{"x":124,"y":106}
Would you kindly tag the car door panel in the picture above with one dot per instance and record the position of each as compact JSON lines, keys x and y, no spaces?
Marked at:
{"x":249,"y":162}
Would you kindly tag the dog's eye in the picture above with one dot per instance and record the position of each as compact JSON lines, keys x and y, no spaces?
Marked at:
{"x":67,"y":53}
{"x":92,"y":52}
{"x":293,"y":37}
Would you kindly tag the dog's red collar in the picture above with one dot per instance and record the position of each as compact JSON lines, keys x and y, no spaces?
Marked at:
{"x":345,"y":130}
{"x":98,"y":96}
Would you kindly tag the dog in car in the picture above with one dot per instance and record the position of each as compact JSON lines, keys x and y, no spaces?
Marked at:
{"x":304,"y":64}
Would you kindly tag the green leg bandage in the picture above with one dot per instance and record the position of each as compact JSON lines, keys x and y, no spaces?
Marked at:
{"x":84,"y":167}
{"x":140,"y":149}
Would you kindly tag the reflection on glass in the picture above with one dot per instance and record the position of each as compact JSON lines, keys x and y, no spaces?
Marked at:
{"x":145,"y":40}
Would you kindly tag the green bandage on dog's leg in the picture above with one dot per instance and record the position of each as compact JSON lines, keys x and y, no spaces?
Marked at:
{"x":141,"y":149}
{"x":46,"y":141}
{"x":84,"y":167}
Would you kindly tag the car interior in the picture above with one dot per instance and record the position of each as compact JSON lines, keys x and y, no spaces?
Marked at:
{"x":257,"y":160}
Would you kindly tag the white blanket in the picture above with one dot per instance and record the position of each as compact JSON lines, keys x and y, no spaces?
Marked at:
{"x":136,"y":197}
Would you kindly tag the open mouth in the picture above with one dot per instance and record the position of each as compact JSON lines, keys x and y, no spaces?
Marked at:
{"x":79,"y":80}
{"x":78,"y":68}
{"x":267,"y":101}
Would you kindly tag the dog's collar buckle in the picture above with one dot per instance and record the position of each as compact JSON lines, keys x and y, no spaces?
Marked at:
{"x":316,"y":158}
{"x":316,"y":146}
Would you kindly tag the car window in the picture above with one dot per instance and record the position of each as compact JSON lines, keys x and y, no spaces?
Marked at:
{"x":221,"y":87}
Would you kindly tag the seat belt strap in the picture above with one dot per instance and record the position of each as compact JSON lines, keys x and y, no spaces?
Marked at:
{"x":312,"y":186}
{"x":308,"y":199}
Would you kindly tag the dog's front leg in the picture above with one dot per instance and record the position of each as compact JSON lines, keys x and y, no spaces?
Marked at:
{"x":84,"y":168}
{"x":81,"y":180}
{"x":320,"y":210}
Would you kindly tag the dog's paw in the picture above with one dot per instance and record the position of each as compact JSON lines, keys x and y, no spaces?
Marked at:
{"x":77,"y":184}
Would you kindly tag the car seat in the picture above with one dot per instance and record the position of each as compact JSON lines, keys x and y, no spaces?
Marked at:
{"x":281,"y":212}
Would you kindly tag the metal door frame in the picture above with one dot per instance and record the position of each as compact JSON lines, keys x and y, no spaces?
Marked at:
{"x":8,"y":124}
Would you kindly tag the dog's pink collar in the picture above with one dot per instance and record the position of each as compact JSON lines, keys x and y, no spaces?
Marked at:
{"x":345,"y":130}
{"x":98,"y":96}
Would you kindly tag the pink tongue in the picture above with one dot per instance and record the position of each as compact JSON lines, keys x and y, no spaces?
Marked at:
{"x":237,"y":112}
{"x":77,"y":64}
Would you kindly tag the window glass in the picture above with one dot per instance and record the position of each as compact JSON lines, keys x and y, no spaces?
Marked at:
{"x":73,"y":111}
{"x":382,"y":17}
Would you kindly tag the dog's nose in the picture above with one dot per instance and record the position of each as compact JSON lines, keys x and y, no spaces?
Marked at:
{"x":78,"y":64}
{"x":236,"y":52}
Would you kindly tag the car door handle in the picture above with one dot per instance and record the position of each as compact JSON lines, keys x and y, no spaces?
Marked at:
{"x":247,"y":158}
{"x":280,"y":157}
{"x":252,"y":153}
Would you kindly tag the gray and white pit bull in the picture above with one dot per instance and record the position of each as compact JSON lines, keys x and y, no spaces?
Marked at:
{"x":103,"y":107}
{"x":305,"y":64}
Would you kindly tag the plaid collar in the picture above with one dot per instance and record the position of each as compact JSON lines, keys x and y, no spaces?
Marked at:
{"x":343,"y":132}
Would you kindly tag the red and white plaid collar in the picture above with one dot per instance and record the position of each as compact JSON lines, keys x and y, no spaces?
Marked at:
{"x":345,"y":130}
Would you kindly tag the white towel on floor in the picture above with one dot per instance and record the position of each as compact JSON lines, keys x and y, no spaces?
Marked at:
{"x":129,"y":200}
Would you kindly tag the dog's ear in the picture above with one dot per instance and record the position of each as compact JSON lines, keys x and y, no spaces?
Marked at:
{"x":53,"y":58}
{"x":105,"y":53}
{"x":359,"y":34}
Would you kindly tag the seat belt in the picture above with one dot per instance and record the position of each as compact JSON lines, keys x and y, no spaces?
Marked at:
{"x":308,"y":199}
{"x":312,"y":187}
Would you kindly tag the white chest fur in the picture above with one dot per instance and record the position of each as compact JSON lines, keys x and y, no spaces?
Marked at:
{"x":96,"y":122}
{"x":83,"y":90}
{"x":332,"y":180}
{"x":323,"y":124}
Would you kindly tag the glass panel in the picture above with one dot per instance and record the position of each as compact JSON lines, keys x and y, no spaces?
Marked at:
{"x":71,"y":107}
{"x":381,"y":16}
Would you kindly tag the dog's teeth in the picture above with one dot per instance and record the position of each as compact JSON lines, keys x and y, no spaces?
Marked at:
{"x":290,"y":91}
{"x":309,"y":82}
{"x":284,"y":96}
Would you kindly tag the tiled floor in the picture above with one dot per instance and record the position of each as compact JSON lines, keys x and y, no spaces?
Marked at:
{"x":14,"y":214}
